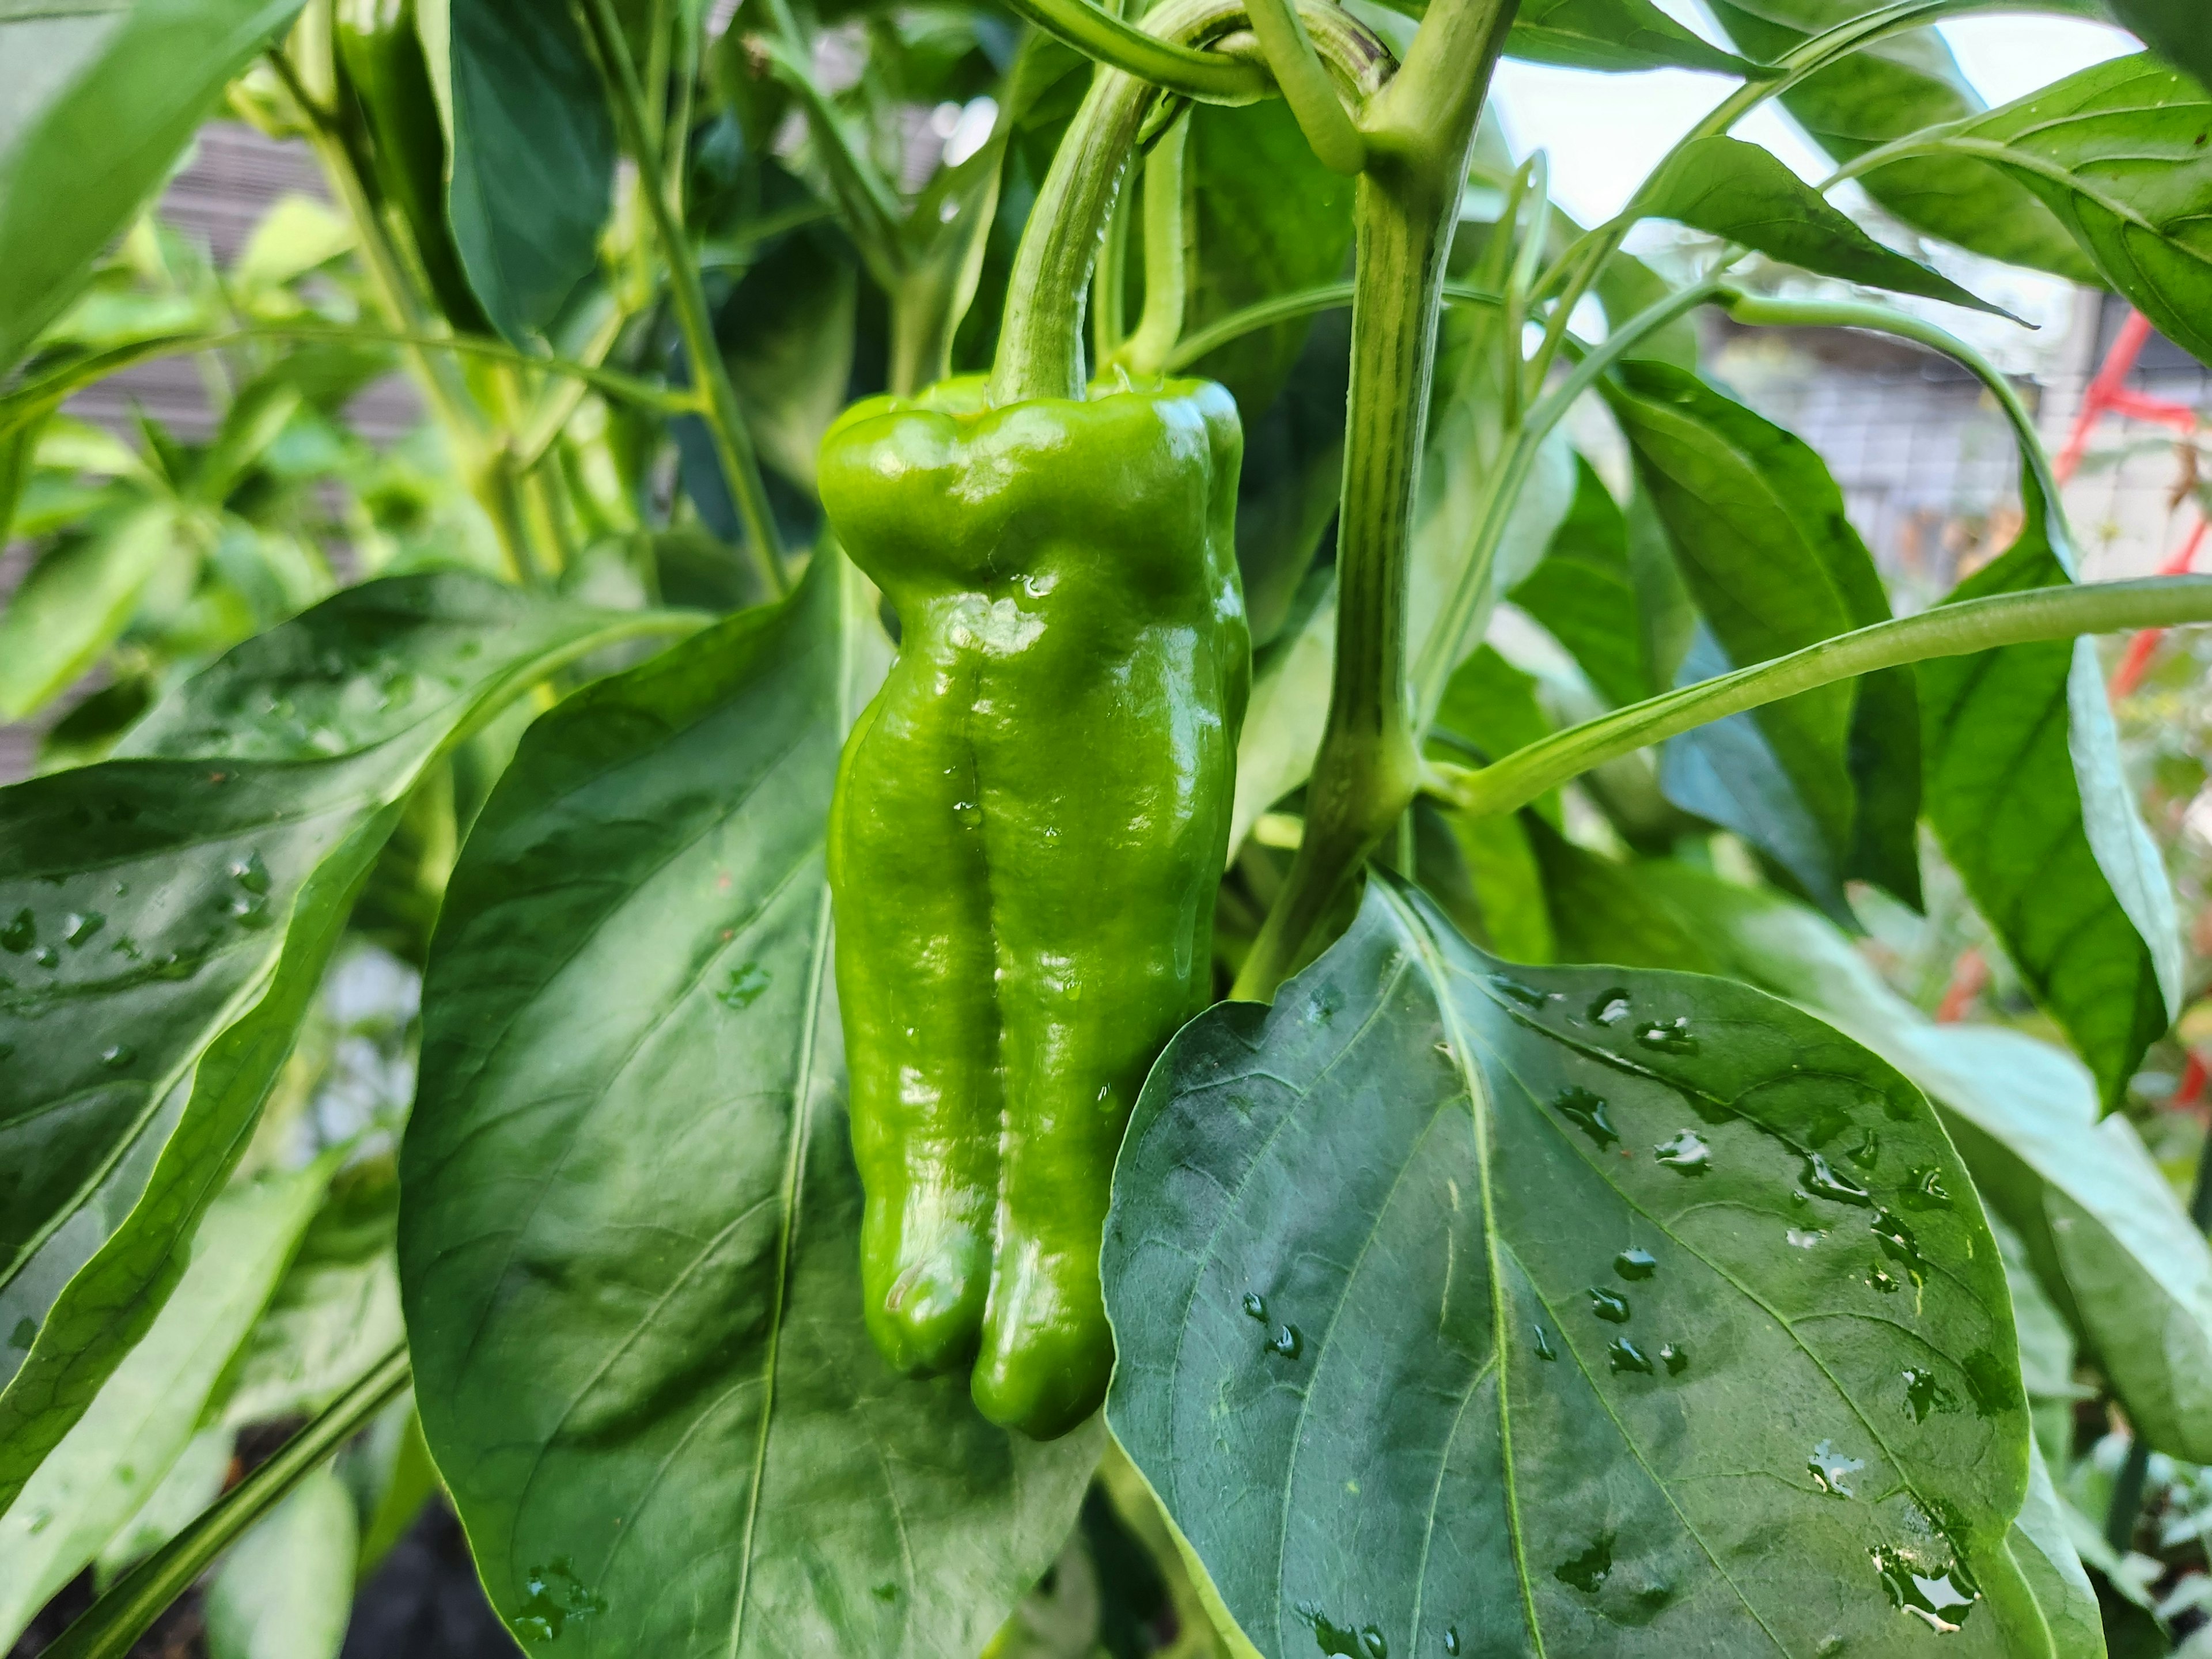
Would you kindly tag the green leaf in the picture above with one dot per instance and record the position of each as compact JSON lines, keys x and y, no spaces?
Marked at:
{"x":2172,"y":29}
{"x":76,"y":602}
{"x":1884,"y":91}
{"x":530,"y":153}
{"x":107,"y":1466}
{"x":98,"y":97}
{"x":1293,"y":473}
{"x":19,"y":447}
{"x":1489,"y":709}
{"x":629,"y":1214}
{"x":2120,"y":153}
{"x":1603,"y":912}
{"x":1612,"y":34}
{"x":1270,"y":220}
{"x":1740,"y":193}
{"x":337,"y":1313}
{"x":1458,"y":1307}
{"x":2106,"y":1237}
{"x":1585,"y":593}
{"x":2024,"y":788}
{"x":786,"y":334}
{"x":2043,"y":1552}
{"x":1769,"y":554}
{"x":285,"y":1591}
{"x":194,"y":1481}
{"x":164,"y":922}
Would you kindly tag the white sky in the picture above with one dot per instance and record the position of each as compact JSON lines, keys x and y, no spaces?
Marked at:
{"x":1604,"y":131}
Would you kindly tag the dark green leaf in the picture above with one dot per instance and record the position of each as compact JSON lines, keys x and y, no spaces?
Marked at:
{"x":1585,"y":593}
{"x":2024,"y":788}
{"x":97,"y":99}
{"x":1271,"y":220}
{"x":786,"y":334}
{"x":1602,"y":912}
{"x":164,"y":922}
{"x":18,"y":445}
{"x":531,"y":174}
{"x":1532,"y":1310}
{"x":143,"y":1418}
{"x":1483,"y":873}
{"x":2122,"y":154}
{"x":1612,"y":34}
{"x":629,"y":1216}
{"x":1740,"y":193}
{"x":2103,"y":1229}
{"x":1490,"y":708}
{"x":1625,"y":286}
{"x":1769,"y":555}
{"x":2172,"y":29}
{"x":76,"y":602}
{"x":1885,"y":92}
{"x":2043,"y":1551}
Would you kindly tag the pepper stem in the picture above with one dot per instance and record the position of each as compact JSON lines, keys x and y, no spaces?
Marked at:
{"x":1041,"y":342}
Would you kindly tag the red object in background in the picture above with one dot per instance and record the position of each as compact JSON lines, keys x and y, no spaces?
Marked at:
{"x":2189,"y":1093}
{"x":1969,"y":976}
{"x":2107,"y":394}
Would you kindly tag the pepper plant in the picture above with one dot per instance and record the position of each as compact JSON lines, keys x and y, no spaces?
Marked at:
{"x":1236,"y":1117}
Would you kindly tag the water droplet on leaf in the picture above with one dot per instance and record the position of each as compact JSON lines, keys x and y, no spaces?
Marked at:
{"x":1586,"y":1111}
{"x":76,"y":928}
{"x":554,"y":1596}
{"x":1622,"y":1355}
{"x":1925,"y":1395}
{"x":1610,"y":1007}
{"x":1671,"y":1037}
{"x":1687,"y":1153}
{"x":1940,"y":1596}
{"x":1451,"y":1638}
{"x":1589,"y":1569}
{"x":1636,"y":1264}
{"x":117,"y":1058}
{"x":744,"y":987}
{"x":1927,"y":1191}
{"x":1804,"y":1238}
{"x":1287,"y":1341}
{"x":1526,"y":995}
{"x":1544,"y":1348}
{"x":19,"y":934}
{"x":1675,"y":1357}
{"x":1608,"y":1305}
{"x":250,"y":872}
{"x":1824,"y":1181}
{"x":1255,"y":1305}
{"x":1831,"y":1470}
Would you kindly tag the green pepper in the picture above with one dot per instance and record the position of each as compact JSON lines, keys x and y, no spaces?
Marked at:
{"x":1031,"y":819}
{"x":389,"y":76}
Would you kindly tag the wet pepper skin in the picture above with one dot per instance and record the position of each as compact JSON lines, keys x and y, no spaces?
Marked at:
{"x":1029,"y":822}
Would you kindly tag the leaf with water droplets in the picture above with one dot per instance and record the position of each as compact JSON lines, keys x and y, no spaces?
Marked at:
{"x":629,"y":1209}
{"x":1540,"y":1463}
{"x":224,"y":851}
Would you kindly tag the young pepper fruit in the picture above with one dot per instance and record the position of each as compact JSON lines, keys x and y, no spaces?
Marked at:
{"x":1029,"y":822}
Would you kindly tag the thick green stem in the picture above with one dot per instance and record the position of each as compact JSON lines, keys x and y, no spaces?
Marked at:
{"x":1167,"y":255}
{"x":1419,"y":131}
{"x":724,"y":421}
{"x":1040,"y":339}
{"x":1949,"y":630}
{"x":119,"y":1618}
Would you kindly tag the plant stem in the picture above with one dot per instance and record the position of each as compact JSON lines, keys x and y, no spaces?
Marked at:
{"x":1306,"y":87}
{"x":1419,"y":131}
{"x":115,"y":1622}
{"x":1209,"y":76}
{"x":1949,"y":630}
{"x":724,"y":421}
{"x":1167,"y":254}
{"x":1040,"y":339}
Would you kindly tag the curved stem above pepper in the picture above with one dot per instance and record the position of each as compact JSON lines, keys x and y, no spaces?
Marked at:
{"x":1306,"y":88}
{"x":1212,"y":77}
{"x":1041,"y":341}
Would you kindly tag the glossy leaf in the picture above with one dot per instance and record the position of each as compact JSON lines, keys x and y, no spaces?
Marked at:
{"x":1612,"y":34}
{"x":285,"y":1591}
{"x":2043,"y":1552}
{"x":629,"y":1215}
{"x":1768,"y":552}
{"x":1885,"y":92}
{"x":2119,"y":153}
{"x":1530,"y":1310}
{"x":97,"y":101}
{"x":163,"y":925}
{"x":1585,"y":593}
{"x":1740,"y":193}
{"x":2107,"y":1239}
{"x":76,"y":602}
{"x":2172,"y":29}
{"x":2023,"y":787}
{"x":144,"y":1417}
{"x":530,"y":153}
